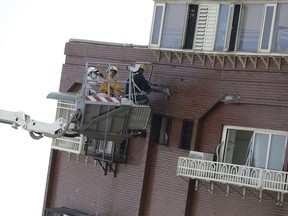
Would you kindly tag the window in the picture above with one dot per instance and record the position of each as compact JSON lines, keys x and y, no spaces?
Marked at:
{"x":157,"y":24}
{"x":250,"y":27}
{"x":161,"y":126}
{"x":281,"y":29}
{"x":233,"y":29}
{"x":168,"y":25}
{"x":186,"y":134}
{"x":173,"y":26}
{"x":222,"y":28}
{"x":254,"y":147}
{"x":267,"y":33}
{"x":227,"y":29}
{"x":191,"y":25}
{"x":206,"y":27}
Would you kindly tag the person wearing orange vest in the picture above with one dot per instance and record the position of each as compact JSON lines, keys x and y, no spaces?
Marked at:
{"x":111,"y":71}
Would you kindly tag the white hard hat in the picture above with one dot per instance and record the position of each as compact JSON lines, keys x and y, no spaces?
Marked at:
{"x":136,"y":67}
{"x":91,"y":69}
{"x":112,"y":69}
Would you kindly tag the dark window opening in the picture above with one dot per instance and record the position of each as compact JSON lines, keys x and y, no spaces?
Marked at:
{"x":161,"y":126}
{"x":234,"y":27}
{"x":191,"y":25}
{"x":186,"y":134}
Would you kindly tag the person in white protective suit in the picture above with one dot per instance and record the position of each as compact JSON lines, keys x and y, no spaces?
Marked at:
{"x":94,"y":78}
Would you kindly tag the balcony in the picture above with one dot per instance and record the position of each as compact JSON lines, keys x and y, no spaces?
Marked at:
{"x":232,"y":174}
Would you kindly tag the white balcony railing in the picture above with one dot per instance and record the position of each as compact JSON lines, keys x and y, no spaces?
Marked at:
{"x":261,"y":179}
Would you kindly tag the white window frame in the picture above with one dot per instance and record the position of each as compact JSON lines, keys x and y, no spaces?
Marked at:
{"x":228,"y":34}
{"x":228,"y":38}
{"x":225,"y":129}
{"x":274,"y":30}
{"x":166,"y":26}
{"x":237,"y":44}
{"x":271,"y":37}
{"x":228,"y":28}
{"x":161,"y":25}
{"x":185,"y":26}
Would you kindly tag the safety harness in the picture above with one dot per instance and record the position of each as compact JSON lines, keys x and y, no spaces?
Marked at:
{"x":135,"y":85}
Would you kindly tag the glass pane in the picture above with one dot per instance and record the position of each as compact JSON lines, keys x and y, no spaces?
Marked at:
{"x":260,"y":150}
{"x":277,"y":152}
{"x":281,"y":29}
{"x":222,"y":28}
{"x":267,"y":27}
{"x":237,"y":146}
{"x":157,"y":25}
{"x":173,"y":26}
{"x":250,"y":27}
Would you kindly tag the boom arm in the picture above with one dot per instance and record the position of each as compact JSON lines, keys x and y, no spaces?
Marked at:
{"x":36,"y":129}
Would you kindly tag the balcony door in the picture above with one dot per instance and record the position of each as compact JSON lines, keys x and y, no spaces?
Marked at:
{"x":253,"y":147}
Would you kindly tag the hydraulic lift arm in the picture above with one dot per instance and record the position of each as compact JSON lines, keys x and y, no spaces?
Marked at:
{"x":36,"y":129}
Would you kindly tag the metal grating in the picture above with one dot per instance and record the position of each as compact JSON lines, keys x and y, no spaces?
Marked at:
{"x":68,"y":144}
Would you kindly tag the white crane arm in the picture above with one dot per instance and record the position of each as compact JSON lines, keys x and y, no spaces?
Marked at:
{"x":37,"y":129}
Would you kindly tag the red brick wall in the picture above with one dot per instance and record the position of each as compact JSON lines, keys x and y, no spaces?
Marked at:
{"x":147,"y":184}
{"x":206,"y":203}
{"x":84,"y":187}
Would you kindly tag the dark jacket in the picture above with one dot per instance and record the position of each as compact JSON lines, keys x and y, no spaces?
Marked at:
{"x":139,"y":83}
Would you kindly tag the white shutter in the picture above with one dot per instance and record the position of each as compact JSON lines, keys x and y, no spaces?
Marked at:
{"x":206,"y":27}
{"x":73,"y":145}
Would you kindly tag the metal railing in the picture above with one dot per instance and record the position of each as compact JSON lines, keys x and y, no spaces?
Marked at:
{"x":68,"y":144}
{"x":261,"y":179}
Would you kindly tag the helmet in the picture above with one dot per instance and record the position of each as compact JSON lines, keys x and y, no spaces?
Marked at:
{"x":91,"y":70}
{"x":142,"y":66}
{"x":112,"y":69}
{"x":141,"y":69}
{"x":136,"y":68}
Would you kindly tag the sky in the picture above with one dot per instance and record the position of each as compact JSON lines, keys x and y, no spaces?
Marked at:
{"x":33,"y":34}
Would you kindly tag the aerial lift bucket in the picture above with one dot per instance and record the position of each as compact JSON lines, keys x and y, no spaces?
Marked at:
{"x":105,"y":122}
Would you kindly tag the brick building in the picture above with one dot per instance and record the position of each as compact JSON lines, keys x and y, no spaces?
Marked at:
{"x":217,"y":146}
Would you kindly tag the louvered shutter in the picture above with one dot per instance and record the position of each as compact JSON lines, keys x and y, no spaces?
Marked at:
{"x":206,"y":27}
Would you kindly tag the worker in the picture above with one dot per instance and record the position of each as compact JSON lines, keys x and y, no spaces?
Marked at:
{"x":140,"y":86}
{"x":94,"y":77}
{"x":110,"y":74}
